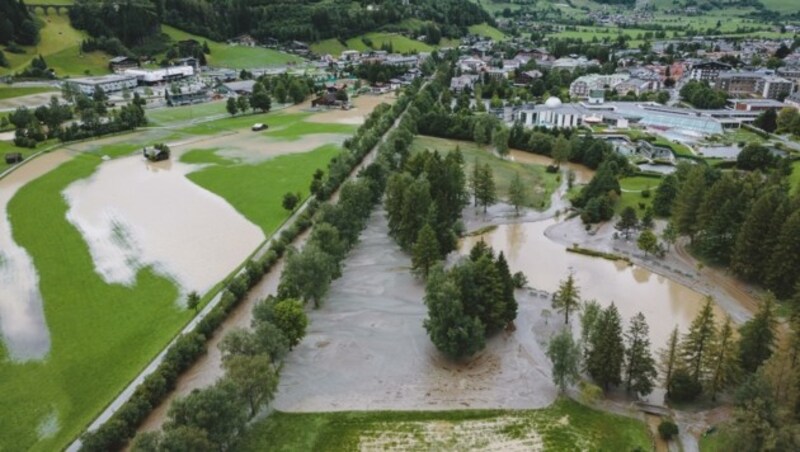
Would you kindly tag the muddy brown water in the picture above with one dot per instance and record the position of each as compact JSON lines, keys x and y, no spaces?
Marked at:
{"x":22,"y":322}
{"x":133,"y":213}
{"x":583,"y":174}
{"x":664,"y":303}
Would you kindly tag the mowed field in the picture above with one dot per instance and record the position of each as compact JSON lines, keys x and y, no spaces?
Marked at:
{"x":9,"y":92}
{"x":398,"y":42}
{"x":236,"y":57}
{"x":102,"y":334}
{"x":566,"y":425}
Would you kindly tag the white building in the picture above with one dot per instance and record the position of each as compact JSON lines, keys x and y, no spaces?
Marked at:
{"x":163,"y":75}
{"x":582,"y":86}
{"x":108,"y":83}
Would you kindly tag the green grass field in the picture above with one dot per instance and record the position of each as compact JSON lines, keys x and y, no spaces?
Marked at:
{"x":59,"y":45}
{"x":541,"y":182}
{"x":487,"y":31}
{"x":566,"y":425}
{"x":256,"y":191}
{"x":783,"y":6}
{"x":236,"y":57}
{"x":104,"y":334}
{"x":101,"y":334}
{"x":632,"y":188}
{"x":9,"y":92}
{"x":328,"y":47}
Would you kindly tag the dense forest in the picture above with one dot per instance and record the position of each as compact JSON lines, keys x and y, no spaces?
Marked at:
{"x":16,"y":24}
{"x":312,"y":20}
{"x":131,"y":24}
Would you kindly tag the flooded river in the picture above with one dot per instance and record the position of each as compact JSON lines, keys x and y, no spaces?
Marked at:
{"x":133,"y":213}
{"x":22,"y":322}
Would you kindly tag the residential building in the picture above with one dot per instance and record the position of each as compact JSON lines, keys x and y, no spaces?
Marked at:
{"x":708,"y":70}
{"x":583,"y":85}
{"x":463,"y":82}
{"x":756,"y":104}
{"x":120,"y":63}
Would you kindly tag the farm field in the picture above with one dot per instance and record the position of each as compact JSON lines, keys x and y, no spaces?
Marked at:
{"x":535,"y":176}
{"x":236,"y":57}
{"x":104,"y":323}
{"x":566,"y":425}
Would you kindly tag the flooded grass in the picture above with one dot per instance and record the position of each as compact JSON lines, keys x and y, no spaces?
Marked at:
{"x":256,"y":191}
{"x":565,"y":425}
{"x":101,"y":334}
{"x":543,"y":183}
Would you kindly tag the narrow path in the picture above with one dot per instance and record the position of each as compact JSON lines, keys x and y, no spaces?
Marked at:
{"x":126,"y":393}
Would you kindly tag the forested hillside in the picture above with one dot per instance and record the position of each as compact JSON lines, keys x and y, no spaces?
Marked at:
{"x":16,"y":24}
{"x":313,"y":20}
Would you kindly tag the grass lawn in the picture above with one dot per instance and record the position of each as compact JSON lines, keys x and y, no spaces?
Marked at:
{"x":289,"y":125}
{"x":328,"y":47}
{"x":541,"y":182}
{"x":101,"y":334}
{"x":632,"y":188}
{"x":399,"y":43}
{"x":236,"y":57}
{"x":7,"y":146}
{"x":487,"y":31}
{"x":784,"y":6}
{"x":170,"y":115}
{"x":8,"y":92}
{"x":566,"y":425}
{"x":639,"y":183}
{"x":256,"y":191}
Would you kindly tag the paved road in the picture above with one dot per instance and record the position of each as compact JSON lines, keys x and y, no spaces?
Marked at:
{"x":126,"y":393}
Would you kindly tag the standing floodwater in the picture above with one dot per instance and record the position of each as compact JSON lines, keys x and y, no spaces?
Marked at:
{"x":22,"y":322}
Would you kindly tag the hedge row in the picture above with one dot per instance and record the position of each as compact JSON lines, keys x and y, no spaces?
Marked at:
{"x":122,"y":426}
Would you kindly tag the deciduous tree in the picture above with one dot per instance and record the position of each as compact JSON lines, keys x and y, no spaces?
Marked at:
{"x":565,"y":355}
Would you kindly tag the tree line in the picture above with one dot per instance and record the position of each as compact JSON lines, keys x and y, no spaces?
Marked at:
{"x":17,"y":26}
{"x":314,"y":20}
{"x":745,"y":220}
{"x":609,"y":354}
{"x":251,"y":357}
{"x":96,"y":119}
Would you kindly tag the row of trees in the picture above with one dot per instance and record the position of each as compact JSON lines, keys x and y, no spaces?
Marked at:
{"x":710,"y":359}
{"x":212,"y":418}
{"x":123,"y":424}
{"x":609,"y":355}
{"x":744,"y":220}
{"x":469,"y":302}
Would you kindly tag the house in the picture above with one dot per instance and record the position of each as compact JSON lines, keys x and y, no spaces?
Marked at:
{"x":13,"y":157}
{"x":187,"y":97}
{"x":527,"y":77}
{"x":120,"y":63}
{"x":463,"y":82}
{"x":793,"y":100}
{"x":350,"y":55}
{"x":581,"y":86}
{"x":243,"y":40}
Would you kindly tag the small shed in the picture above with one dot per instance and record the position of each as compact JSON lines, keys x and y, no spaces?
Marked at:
{"x":13,"y":158}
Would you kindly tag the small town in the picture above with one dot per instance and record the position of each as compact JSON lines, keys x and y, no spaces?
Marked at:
{"x":523,"y":225}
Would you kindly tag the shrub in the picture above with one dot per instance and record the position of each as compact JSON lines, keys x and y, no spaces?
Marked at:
{"x":667,"y":429}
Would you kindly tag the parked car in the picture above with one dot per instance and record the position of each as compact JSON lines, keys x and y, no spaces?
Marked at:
{"x":259,"y":126}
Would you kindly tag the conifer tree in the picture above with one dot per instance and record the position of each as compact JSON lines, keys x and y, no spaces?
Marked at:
{"x":607,"y":351}
{"x":517,"y":193}
{"x":486,"y":191}
{"x":425,"y":251}
{"x":568,"y":298}
{"x":669,"y":357}
{"x":686,"y":208}
{"x":751,"y":253}
{"x":698,"y":340}
{"x":722,"y":360}
{"x":627,"y":222}
{"x":640,"y":369}
{"x":758,"y":336}
{"x":783,"y":271}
